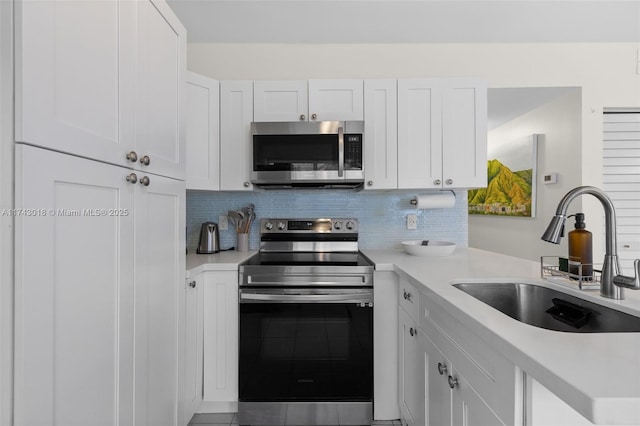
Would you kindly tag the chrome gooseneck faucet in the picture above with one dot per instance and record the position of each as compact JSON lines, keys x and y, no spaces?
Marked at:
{"x":611,"y":282}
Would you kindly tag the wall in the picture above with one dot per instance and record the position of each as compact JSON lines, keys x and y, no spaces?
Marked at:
{"x":558,"y":151}
{"x":382,"y":215}
{"x":607,"y":73}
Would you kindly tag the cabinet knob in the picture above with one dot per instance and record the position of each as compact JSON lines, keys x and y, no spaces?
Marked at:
{"x":449,"y":182}
{"x":442,"y":369}
{"x":370,"y":183}
{"x":192,"y":284}
{"x":132,"y":156}
{"x":246,"y":184}
{"x":406,"y":295}
{"x":314,"y":116}
{"x":452,"y":382}
{"x":413,"y":331}
{"x":437,"y":182}
{"x":145,"y":161}
{"x":132,"y":178}
{"x":303,"y":117}
{"x":145,"y":181}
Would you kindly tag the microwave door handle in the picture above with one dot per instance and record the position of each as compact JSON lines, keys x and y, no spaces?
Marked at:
{"x":340,"y":151}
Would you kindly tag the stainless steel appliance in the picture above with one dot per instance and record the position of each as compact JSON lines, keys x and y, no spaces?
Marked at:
{"x":209,"y":238}
{"x":318,"y":154}
{"x":306,"y":326}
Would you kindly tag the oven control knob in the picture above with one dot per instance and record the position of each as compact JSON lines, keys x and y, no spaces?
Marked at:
{"x":337,"y":225}
{"x":268,"y":226}
{"x":350,"y":225}
{"x":281,"y":226}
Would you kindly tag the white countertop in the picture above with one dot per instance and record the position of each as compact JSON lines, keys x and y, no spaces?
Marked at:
{"x":597,"y":374}
{"x":223,"y":261}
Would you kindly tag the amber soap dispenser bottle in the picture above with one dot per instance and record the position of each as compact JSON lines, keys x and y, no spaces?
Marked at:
{"x":580,"y":248}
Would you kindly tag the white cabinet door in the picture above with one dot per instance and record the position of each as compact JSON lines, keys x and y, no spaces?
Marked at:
{"x":380,"y":134}
{"x":74,"y":67}
{"x":203,"y":133}
{"x":419,"y":134}
{"x":221,"y":336}
{"x":437,"y":391}
{"x":464,"y":133}
{"x":336,"y":100}
{"x":280,"y":100}
{"x":159,"y":278}
{"x":442,"y":133}
{"x":160,"y":87}
{"x":468,"y":409}
{"x":192,"y":348}
{"x":236,"y":115}
{"x":74,"y":291}
{"x":411,"y":371}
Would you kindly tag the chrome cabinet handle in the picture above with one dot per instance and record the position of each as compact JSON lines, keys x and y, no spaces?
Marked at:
{"x":192,"y":284}
{"x":246,"y":184}
{"x":145,"y":161}
{"x":437,"y":182}
{"x":406,"y":295}
{"x":442,"y":369}
{"x":132,"y":178}
{"x":145,"y":181}
{"x":132,"y":156}
{"x":370,"y":183}
{"x":452,"y":382}
{"x":449,"y":181}
{"x":314,"y":116}
{"x":303,"y":117}
{"x":413,"y":331}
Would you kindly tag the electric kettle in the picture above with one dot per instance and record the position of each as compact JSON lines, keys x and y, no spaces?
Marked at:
{"x":209,"y":238}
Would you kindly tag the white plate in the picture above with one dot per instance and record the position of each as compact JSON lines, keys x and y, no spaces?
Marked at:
{"x":432,"y":249}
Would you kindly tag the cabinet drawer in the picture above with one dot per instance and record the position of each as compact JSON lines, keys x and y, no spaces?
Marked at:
{"x":409,"y":299}
{"x":490,"y":374}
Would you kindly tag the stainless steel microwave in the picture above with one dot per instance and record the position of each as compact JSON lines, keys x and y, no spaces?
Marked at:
{"x":315,"y":154}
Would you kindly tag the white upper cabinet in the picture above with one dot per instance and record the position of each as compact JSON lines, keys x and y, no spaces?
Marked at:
{"x":74,"y":77}
{"x":160,"y":77}
{"x":442,"y":133}
{"x":340,"y":100}
{"x":98,"y":79}
{"x":280,"y":100}
{"x":380,"y":134}
{"x":236,"y":115}
{"x":203,"y":132}
{"x":315,"y":100}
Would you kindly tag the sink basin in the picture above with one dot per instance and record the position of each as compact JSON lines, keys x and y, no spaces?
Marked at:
{"x":547,"y":308}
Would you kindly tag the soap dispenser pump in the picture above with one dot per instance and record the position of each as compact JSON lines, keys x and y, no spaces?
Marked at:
{"x":580,"y":249}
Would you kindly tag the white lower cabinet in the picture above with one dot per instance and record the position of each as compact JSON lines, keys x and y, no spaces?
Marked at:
{"x":99,"y":272}
{"x":221,"y":340}
{"x":447,"y":375}
{"x":192,"y":347}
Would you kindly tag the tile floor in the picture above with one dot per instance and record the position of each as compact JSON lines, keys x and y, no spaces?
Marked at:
{"x":230,"y":419}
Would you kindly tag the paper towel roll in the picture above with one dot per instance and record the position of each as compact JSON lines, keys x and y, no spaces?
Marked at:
{"x":440,"y":200}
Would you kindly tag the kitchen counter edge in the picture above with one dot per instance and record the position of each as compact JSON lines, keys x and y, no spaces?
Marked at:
{"x":222,"y":261}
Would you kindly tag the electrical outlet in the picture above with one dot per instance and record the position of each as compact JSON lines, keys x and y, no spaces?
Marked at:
{"x":412,"y":221}
{"x":223,"y":222}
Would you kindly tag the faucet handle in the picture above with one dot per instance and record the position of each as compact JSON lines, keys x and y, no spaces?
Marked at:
{"x":629,"y":282}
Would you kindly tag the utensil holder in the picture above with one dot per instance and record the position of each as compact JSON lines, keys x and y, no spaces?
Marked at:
{"x":242,"y":242}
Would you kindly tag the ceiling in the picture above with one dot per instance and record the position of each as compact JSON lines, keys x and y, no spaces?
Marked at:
{"x":404,"y":21}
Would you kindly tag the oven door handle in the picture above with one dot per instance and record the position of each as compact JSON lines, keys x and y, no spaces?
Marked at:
{"x":306,"y":298}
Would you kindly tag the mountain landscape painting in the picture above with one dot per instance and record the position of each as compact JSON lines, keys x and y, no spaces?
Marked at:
{"x":511,"y":180}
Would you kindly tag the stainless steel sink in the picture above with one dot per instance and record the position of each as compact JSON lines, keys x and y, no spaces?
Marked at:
{"x":547,"y":308}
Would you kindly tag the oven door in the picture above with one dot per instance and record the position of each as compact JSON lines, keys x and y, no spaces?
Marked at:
{"x":306,"y":345}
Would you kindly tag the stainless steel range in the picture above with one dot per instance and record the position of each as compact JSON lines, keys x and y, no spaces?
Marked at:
{"x":306,"y":326}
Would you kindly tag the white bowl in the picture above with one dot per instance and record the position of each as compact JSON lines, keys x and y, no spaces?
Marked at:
{"x":431,"y":249}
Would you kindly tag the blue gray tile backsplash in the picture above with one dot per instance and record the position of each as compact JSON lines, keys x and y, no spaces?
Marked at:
{"x":382,"y":215}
